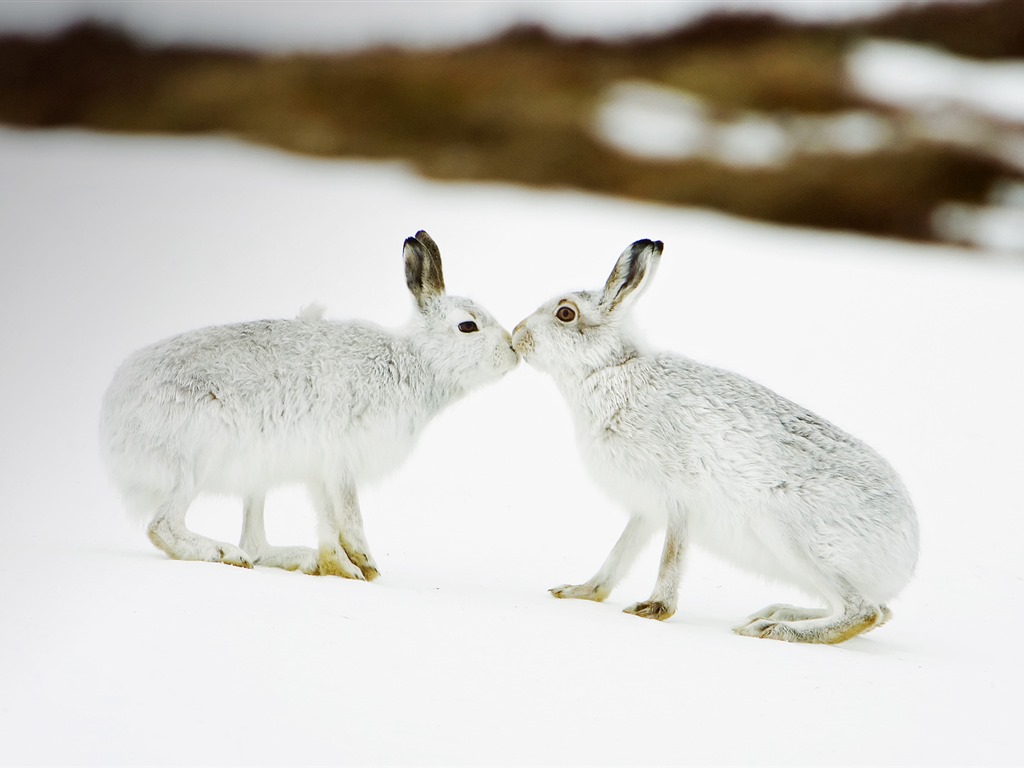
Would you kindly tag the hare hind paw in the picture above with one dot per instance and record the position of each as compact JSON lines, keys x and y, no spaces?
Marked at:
{"x":782,"y":612}
{"x":651,"y":609}
{"x":827,"y":630}
{"x":301,"y":559}
{"x":234,"y":556}
{"x":885,"y":616}
{"x":187,"y":546}
{"x":767,"y":629}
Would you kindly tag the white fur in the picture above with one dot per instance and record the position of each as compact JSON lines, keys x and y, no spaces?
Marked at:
{"x":240,"y":409}
{"x":724,"y":462}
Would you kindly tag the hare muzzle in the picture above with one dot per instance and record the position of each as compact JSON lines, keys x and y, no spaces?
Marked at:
{"x":522,"y":340}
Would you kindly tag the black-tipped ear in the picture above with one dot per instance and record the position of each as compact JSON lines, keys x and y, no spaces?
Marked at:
{"x":423,"y":272}
{"x":633,"y":271}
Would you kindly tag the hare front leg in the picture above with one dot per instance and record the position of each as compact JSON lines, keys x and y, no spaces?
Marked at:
{"x":636,"y":534}
{"x":254,"y":541}
{"x":661,"y":604}
{"x":343,"y":547}
{"x":351,"y":535}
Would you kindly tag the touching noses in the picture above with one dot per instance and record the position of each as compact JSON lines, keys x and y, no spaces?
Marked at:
{"x":521,"y":339}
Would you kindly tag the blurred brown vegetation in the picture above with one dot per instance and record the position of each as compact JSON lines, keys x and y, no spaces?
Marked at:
{"x":521,"y":108}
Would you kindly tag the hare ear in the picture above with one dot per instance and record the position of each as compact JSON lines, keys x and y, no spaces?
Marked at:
{"x":633,"y":271}
{"x":423,"y":272}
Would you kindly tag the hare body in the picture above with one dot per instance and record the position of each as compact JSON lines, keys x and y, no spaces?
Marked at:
{"x":721,"y":461}
{"x":241,"y":409}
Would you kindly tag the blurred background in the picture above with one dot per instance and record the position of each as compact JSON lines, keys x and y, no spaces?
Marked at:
{"x":900,"y":119}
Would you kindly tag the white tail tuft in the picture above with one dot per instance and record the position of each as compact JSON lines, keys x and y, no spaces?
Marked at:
{"x":313,"y":311}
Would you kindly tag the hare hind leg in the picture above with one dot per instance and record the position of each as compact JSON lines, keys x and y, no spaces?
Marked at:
{"x":781,"y":612}
{"x":853,"y":616}
{"x":836,"y":628}
{"x":254,"y":541}
{"x":167,"y":531}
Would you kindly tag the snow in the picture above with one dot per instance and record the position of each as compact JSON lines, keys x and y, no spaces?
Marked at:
{"x":654,"y":121}
{"x":996,"y":227}
{"x":928,"y":80}
{"x":112,"y":654}
{"x":752,"y":141}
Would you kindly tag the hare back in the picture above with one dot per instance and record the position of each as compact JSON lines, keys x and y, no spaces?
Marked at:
{"x":763,"y":481}
{"x":235,"y":408}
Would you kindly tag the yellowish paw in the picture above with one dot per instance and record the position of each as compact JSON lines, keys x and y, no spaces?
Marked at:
{"x":651,"y":609}
{"x":330,"y":564}
{"x":579,"y":592}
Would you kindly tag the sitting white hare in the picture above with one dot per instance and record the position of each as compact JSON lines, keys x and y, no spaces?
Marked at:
{"x":240,"y":409}
{"x":723,"y":462}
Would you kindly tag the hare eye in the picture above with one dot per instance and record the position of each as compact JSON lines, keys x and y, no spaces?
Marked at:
{"x":566,"y":314}
{"x":468,"y":326}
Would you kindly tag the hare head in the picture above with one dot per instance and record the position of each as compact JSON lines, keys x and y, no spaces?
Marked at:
{"x":581,"y":331}
{"x":456,"y":333}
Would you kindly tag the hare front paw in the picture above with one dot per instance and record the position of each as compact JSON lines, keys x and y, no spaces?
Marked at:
{"x":651,"y":609}
{"x":370,"y":572}
{"x":586,"y":591}
{"x":331,"y":562}
{"x":365,"y":564}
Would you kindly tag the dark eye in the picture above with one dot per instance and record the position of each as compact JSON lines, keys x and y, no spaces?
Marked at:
{"x":468,"y":326}
{"x":566,"y":314}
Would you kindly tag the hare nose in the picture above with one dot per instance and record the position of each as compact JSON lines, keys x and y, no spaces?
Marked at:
{"x":521,"y":340}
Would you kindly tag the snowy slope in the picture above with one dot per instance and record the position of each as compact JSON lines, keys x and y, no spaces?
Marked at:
{"x":112,"y":654}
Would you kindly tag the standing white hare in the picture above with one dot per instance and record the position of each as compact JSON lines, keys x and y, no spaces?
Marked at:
{"x":723,"y":462}
{"x":240,"y":409}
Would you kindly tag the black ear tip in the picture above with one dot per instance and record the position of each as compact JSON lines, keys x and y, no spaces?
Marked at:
{"x":422,"y":233}
{"x":642,"y":245}
{"x":411,"y":242}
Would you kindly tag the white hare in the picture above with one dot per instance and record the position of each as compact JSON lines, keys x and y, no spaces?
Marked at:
{"x":239,"y":409}
{"x":725,"y":463}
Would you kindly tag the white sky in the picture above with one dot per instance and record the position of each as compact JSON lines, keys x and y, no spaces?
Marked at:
{"x":304,"y":24}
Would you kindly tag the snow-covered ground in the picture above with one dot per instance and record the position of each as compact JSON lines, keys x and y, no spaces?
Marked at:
{"x":112,"y":654}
